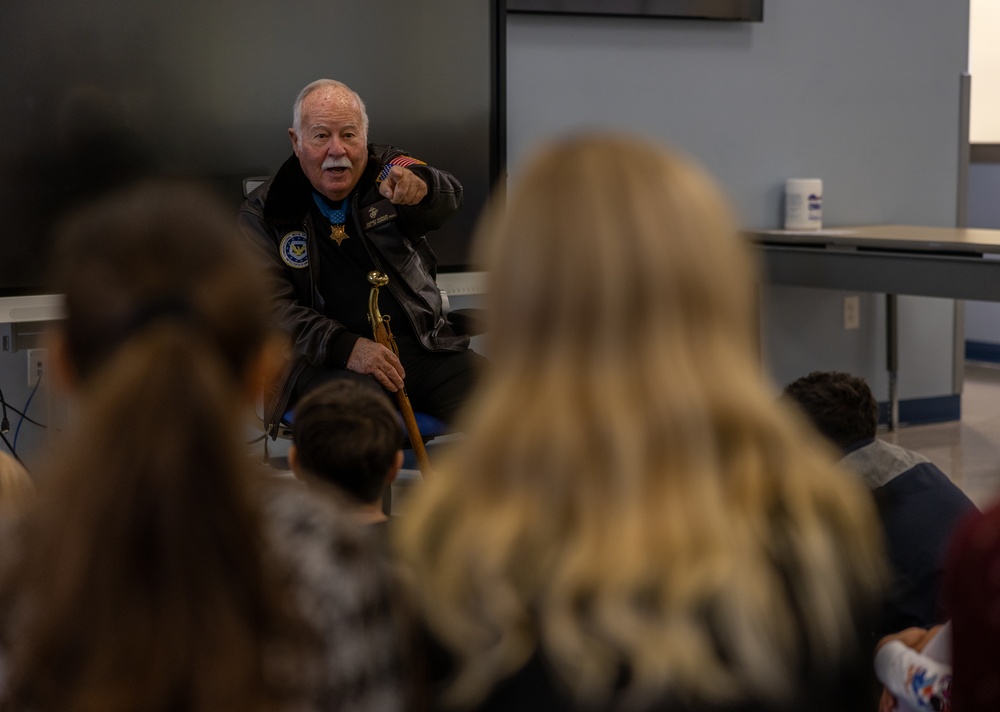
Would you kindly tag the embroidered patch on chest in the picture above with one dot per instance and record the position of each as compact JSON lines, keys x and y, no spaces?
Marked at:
{"x":378,"y":214}
{"x":293,"y":250}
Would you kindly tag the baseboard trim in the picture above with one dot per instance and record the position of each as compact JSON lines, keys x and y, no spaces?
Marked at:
{"x":982,"y":351}
{"x":920,"y":411}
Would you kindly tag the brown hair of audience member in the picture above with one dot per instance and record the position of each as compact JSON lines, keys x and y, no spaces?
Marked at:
{"x":839,"y":405}
{"x":16,"y":485}
{"x":141,"y":584}
{"x":349,"y":436}
{"x":626,"y":474}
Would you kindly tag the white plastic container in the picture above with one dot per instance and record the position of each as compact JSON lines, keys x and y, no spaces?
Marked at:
{"x":803,"y":204}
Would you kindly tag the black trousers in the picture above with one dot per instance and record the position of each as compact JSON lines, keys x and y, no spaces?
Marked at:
{"x":437,"y":382}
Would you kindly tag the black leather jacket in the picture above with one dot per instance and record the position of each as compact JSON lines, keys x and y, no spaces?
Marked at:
{"x":276,"y":219}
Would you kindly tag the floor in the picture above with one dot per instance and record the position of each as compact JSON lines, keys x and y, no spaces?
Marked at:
{"x":968,"y":450}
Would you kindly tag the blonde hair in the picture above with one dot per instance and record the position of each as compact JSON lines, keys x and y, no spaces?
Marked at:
{"x":16,"y":486}
{"x":629,"y":495}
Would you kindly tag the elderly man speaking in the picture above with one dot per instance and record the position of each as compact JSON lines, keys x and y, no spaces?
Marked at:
{"x":337,"y":209}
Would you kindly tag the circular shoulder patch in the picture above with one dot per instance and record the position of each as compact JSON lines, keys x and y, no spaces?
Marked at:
{"x":293,"y":250}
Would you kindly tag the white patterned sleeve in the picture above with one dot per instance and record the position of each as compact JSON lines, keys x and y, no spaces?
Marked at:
{"x":917,"y":681}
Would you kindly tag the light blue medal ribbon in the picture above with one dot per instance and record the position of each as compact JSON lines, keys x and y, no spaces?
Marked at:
{"x":336,"y":216}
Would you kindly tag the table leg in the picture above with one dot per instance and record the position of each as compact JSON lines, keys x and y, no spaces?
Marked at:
{"x":892,"y":357}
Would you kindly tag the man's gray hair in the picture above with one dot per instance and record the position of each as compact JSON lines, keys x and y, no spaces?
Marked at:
{"x":326,"y":84}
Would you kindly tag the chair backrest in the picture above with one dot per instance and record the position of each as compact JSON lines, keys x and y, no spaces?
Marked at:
{"x":251,"y":183}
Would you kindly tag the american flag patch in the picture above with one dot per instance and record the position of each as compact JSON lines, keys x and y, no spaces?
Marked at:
{"x":397,"y":161}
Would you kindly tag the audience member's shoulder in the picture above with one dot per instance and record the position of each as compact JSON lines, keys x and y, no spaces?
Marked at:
{"x":381,"y":532}
{"x":314,"y":522}
{"x":289,"y":503}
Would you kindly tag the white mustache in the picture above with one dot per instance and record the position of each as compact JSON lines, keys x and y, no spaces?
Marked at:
{"x":342,"y":162}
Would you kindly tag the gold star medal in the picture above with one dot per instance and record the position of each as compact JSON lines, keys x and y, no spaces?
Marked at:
{"x":336,"y":216}
{"x":338,"y":234}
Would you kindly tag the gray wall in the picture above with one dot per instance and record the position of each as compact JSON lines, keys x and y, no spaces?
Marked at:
{"x":42,"y":405}
{"x":982,"y":319}
{"x":862,"y":94}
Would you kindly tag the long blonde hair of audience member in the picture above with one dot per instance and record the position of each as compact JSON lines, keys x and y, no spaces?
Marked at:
{"x":139,"y":582}
{"x":628,"y":495}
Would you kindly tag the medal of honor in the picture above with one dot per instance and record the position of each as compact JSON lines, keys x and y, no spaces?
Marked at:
{"x":338,"y":234}
{"x":336,"y":216}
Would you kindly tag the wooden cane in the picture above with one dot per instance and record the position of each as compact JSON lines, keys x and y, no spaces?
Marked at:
{"x":383,"y":335}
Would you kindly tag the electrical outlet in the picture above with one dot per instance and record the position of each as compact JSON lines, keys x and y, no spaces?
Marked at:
{"x":38,"y":363}
{"x":852,"y":312}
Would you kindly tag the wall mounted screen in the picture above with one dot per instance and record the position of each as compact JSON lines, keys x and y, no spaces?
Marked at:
{"x":734,"y":10}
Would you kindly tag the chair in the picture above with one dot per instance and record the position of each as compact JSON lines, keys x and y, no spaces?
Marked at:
{"x":429,"y":426}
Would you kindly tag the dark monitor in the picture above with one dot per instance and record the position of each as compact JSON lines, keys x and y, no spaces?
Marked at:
{"x":96,"y":93}
{"x":731,"y":10}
